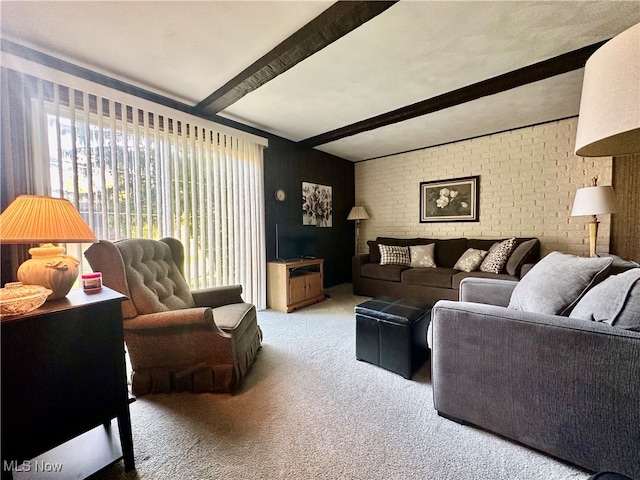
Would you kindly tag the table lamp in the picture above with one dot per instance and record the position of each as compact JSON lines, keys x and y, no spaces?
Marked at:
{"x":593,"y":200}
{"x":47,"y":220}
{"x":357,"y":214}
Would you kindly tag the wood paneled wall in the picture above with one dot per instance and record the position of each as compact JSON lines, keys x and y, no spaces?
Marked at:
{"x":625,"y":224}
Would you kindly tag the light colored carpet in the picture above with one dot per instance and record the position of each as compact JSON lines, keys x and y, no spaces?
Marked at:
{"x":309,"y":410}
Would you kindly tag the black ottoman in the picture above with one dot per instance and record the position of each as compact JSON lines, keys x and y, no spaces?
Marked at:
{"x":392,"y":333}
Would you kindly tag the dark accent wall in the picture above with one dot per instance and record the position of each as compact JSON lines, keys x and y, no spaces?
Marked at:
{"x":625,"y":223}
{"x":286,"y":166}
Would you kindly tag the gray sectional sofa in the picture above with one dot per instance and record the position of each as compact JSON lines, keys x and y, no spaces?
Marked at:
{"x":552,"y":361}
{"x":429,"y":285}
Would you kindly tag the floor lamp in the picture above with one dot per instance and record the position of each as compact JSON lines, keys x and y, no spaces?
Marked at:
{"x":609,"y":120}
{"x":357,"y":214}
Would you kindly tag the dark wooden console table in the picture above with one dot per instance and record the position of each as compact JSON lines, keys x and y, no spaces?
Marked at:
{"x":64,"y":375}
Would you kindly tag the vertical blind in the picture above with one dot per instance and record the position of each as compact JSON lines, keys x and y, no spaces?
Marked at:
{"x":133,"y":172}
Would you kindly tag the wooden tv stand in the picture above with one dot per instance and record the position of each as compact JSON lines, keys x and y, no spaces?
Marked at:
{"x":296,"y":283}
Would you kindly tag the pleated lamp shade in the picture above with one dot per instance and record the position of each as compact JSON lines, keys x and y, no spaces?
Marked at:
{"x":37,"y":219}
{"x":358,"y":213}
{"x":609,"y":121}
{"x":47,"y":220}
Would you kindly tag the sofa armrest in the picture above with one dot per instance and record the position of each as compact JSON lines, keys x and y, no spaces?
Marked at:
{"x":218,"y":296}
{"x":565,"y":386}
{"x":356,"y":266}
{"x":359,"y":260}
{"x":491,"y":291}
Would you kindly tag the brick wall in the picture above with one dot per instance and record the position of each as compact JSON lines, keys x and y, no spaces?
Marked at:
{"x":528,"y":178}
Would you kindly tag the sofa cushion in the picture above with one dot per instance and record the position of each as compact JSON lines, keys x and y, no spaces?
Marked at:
{"x":394,"y":255}
{"x":615,"y":301}
{"x":448,"y":251}
{"x":390,"y":273}
{"x":525,"y":252}
{"x":557,"y":282}
{"x":431,"y":277}
{"x":498,"y":256}
{"x":422,"y":256}
{"x":470,"y":260}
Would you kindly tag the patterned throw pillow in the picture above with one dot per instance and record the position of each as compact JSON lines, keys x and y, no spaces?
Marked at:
{"x":470,"y":260}
{"x":393,"y":255}
{"x":422,"y":256}
{"x":498,"y":256}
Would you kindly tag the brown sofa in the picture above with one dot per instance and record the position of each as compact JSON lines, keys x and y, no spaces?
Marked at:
{"x":429,"y":285}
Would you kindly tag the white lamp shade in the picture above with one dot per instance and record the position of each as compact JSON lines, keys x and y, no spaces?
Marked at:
{"x":594,"y":201}
{"x":609,"y":121}
{"x":358,"y":213}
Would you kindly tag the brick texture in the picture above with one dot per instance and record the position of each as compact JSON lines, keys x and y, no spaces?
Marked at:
{"x":528,"y":179}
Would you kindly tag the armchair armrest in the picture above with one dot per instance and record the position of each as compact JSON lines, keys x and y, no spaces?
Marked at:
{"x":198,"y":318}
{"x":218,"y":296}
{"x":491,"y":291}
{"x":539,"y":379}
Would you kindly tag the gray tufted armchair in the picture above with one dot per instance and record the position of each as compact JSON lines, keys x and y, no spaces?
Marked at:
{"x":177,"y":339}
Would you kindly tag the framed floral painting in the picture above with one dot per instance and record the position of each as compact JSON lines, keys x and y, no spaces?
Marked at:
{"x":317,"y":208}
{"x":453,"y":200}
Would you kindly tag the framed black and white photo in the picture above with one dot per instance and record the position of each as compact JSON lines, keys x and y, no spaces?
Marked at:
{"x":453,"y":200}
{"x":317,"y":205}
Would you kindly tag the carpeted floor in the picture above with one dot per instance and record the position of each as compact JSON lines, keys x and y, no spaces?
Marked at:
{"x":309,"y":410}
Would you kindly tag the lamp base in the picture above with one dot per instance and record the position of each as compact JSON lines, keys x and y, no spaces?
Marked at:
{"x":593,"y":235}
{"x":50,"y":268}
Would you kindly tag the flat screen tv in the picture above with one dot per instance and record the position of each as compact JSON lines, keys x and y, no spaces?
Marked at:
{"x":296,"y":242}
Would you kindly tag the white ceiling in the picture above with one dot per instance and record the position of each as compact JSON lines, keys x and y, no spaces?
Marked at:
{"x":411,"y":52}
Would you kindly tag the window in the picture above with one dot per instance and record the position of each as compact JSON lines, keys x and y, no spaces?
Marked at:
{"x":134,"y":170}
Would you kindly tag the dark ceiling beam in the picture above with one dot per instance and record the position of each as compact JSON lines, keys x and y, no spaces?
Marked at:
{"x":335,"y":22}
{"x":564,"y":63}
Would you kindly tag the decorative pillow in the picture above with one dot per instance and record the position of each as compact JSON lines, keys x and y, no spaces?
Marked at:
{"x":394,"y":255}
{"x":470,"y":260}
{"x":422,"y":256}
{"x":498,"y":255}
{"x":615,"y":301}
{"x":521,"y":255}
{"x":557,"y":282}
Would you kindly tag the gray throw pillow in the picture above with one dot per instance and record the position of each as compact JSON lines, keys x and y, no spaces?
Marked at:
{"x":523,"y":253}
{"x":615,"y":301}
{"x":557,"y":282}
